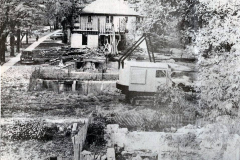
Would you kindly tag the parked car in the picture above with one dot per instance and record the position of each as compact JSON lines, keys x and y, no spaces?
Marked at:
{"x":27,"y":57}
{"x":56,"y":36}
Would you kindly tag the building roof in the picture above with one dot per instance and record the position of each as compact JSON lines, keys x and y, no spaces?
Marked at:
{"x":110,"y":7}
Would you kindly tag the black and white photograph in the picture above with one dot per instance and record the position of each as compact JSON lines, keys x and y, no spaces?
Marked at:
{"x":120,"y":79}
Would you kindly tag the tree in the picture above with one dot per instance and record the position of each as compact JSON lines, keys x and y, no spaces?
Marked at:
{"x":219,"y":55}
{"x":56,"y":11}
{"x":166,"y":20}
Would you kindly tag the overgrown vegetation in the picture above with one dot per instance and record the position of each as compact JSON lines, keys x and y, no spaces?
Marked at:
{"x":29,"y":130}
{"x":95,"y":140}
{"x":173,"y":100}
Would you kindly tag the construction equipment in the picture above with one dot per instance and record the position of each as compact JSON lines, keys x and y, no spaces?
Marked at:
{"x":139,"y":81}
{"x":145,"y":37}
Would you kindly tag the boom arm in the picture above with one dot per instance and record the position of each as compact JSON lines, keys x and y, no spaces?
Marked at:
{"x":145,"y":37}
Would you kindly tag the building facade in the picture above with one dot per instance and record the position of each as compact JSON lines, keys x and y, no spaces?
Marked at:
{"x":103,"y":24}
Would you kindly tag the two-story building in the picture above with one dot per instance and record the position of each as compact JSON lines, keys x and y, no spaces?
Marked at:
{"x":104,"y":23}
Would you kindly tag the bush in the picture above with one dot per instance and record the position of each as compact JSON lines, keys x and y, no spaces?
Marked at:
{"x":30,"y":130}
{"x":175,"y":101}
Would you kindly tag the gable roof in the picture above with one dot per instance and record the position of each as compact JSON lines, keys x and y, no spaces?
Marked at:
{"x":110,"y":7}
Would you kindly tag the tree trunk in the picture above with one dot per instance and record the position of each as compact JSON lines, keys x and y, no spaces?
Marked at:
{"x":27,"y":37}
{"x":1,"y":60}
{"x":12,"y":41}
{"x":3,"y":47}
{"x":57,"y":23}
{"x":18,"y":40}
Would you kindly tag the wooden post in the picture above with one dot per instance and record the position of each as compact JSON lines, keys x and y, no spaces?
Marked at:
{"x":18,"y":40}
{"x":98,"y":25}
{"x":12,"y":41}
{"x":114,"y":40}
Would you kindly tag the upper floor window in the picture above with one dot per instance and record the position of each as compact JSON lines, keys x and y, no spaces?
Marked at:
{"x":109,"y":19}
{"x":89,"y":18}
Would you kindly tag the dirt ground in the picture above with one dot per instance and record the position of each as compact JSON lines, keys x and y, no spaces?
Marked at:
{"x":18,"y":104}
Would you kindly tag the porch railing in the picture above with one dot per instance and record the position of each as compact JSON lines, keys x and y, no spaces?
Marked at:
{"x":102,"y":28}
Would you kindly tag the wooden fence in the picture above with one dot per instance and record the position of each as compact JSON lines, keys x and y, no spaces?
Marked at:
{"x":79,"y":139}
{"x":159,"y":120}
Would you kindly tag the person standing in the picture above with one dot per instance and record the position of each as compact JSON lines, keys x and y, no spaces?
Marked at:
{"x":37,"y":38}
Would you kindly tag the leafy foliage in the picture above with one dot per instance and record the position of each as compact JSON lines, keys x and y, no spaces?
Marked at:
{"x":217,"y":43}
{"x":19,"y":13}
{"x":170,"y":23}
{"x":29,"y":130}
{"x":175,"y":101}
{"x":59,"y":10}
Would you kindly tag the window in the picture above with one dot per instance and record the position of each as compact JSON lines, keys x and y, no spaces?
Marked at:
{"x":89,"y":19}
{"x":160,"y":73}
{"x":109,"y":19}
{"x":84,"y":39}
